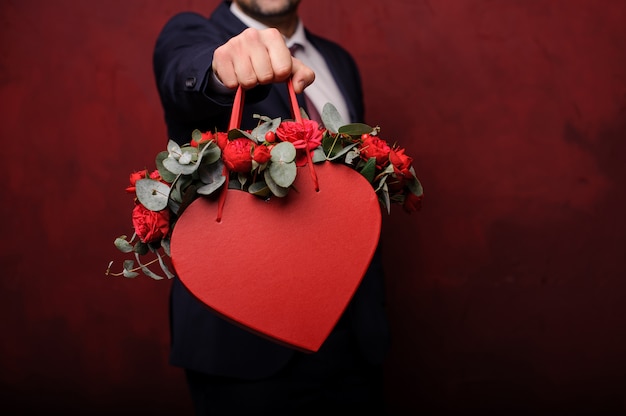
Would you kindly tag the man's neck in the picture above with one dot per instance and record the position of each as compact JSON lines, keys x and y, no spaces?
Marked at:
{"x":286,"y":24}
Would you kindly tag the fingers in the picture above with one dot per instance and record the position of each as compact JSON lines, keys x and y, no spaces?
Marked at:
{"x":302,"y":76}
{"x":258,"y":57}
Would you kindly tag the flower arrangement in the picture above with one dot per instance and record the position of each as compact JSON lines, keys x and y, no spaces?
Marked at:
{"x":263,"y":162}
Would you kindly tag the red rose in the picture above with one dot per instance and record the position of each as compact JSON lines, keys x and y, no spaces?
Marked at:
{"x":401,"y":163}
{"x":156,"y":175}
{"x":222,"y":139}
{"x":204,"y":137}
{"x":261,"y":154}
{"x":237,"y":155}
{"x":149,"y":225}
{"x":134,"y":177}
{"x":374,"y":147}
{"x":401,"y":167}
{"x":412,"y":202}
{"x":305,"y":135}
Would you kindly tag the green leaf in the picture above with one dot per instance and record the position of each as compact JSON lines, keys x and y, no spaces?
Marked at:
{"x":181,"y":160}
{"x":128,"y":269}
{"x":283,"y":173}
{"x":259,"y":188}
{"x":150,"y":273}
{"x":210,"y":153}
{"x":369,"y":169}
{"x":332,"y":144}
{"x":355,"y":129}
{"x":211,"y":172}
{"x":277,"y":190}
{"x":180,"y":169}
{"x":212,"y":176}
{"x":318,"y":155}
{"x":196,"y":135}
{"x":385,"y":198}
{"x":343,"y":151}
{"x":283,"y":152}
{"x":259,"y":132}
{"x":123,"y":245}
{"x":165,"y":174}
{"x":141,"y":248}
{"x":152,"y":194}
{"x":238,"y":134}
{"x":164,"y":267}
{"x":415,"y":186}
{"x":165,"y":243}
{"x":351,"y":156}
{"x":209,"y":188}
{"x":331,"y":118}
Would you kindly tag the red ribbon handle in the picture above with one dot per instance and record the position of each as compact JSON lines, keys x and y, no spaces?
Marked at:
{"x":235,"y":123}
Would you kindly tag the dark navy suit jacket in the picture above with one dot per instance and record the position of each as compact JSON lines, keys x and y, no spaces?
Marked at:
{"x":202,"y":341}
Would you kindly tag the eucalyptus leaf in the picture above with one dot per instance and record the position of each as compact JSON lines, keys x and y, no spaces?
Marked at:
{"x":283,"y":173}
{"x":277,"y":190}
{"x":261,"y":117}
{"x":177,"y":168}
{"x":210,"y":153}
{"x":174,"y":206}
{"x":259,"y":132}
{"x":141,"y":248}
{"x":150,"y":273}
{"x":196,"y":135}
{"x":351,"y":156}
{"x":238,"y":134}
{"x":152,"y":194}
{"x":123,"y":245}
{"x":318,"y":155}
{"x":128,"y":269}
{"x":385,"y":196}
{"x":211,"y":172}
{"x":415,"y":186}
{"x":130,"y":274}
{"x":165,"y":174}
{"x":331,"y":118}
{"x":209,"y":188}
{"x":173,"y":149}
{"x":355,"y":129}
{"x":176,"y":195}
{"x":259,"y":188}
{"x":164,"y":267}
{"x":283,"y":152}
{"x":165,"y":243}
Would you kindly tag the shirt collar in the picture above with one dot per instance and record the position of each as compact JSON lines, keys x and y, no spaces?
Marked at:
{"x":298,"y":37}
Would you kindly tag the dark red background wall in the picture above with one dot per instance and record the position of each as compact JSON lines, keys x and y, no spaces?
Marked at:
{"x":507,"y":293}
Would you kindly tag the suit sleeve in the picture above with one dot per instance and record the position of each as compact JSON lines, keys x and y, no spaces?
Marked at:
{"x":182,"y":61}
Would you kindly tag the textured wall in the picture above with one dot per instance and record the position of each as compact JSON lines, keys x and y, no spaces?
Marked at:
{"x":506,"y":293}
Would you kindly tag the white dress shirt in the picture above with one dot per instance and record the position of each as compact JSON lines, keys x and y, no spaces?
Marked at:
{"x":324,"y":89}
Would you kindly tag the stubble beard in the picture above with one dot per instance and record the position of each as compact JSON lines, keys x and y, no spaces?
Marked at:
{"x":259,"y":11}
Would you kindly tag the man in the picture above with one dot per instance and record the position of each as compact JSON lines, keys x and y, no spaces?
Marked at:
{"x":198,"y":64}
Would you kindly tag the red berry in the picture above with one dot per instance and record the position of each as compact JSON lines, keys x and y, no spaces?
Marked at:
{"x":270,"y":136}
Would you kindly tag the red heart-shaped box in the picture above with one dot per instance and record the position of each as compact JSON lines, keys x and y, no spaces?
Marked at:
{"x":285,"y":268}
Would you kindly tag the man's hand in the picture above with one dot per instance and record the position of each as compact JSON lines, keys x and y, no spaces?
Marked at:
{"x":259,"y":57}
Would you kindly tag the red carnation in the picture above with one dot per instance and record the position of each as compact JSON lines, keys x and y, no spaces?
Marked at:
{"x":261,"y":154}
{"x":305,"y":135}
{"x":237,"y":155}
{"x":149,"y":225}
